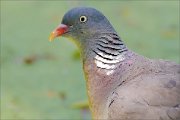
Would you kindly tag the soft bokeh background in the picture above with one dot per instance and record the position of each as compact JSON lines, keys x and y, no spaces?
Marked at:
{"x":42,"y":80}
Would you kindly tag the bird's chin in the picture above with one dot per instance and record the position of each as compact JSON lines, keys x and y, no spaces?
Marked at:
{"x":73,"y":39}
{"x":67,"y":35}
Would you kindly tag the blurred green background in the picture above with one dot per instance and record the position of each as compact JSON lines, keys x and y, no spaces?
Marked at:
{"x":43,"y":80}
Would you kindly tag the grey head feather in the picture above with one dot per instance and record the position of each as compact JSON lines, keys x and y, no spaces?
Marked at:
{"x":96,"y":36}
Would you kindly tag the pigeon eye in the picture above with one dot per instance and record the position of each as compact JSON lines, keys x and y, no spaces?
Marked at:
{"x":83,"y":19}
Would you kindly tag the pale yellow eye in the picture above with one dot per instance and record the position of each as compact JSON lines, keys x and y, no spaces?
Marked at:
{"x":83,"y":19}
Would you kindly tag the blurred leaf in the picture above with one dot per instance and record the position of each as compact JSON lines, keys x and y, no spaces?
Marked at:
{"x":81,"y":105}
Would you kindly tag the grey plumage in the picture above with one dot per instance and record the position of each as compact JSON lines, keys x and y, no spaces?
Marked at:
{"x":150,"y":91}
{"x":120,"y":83}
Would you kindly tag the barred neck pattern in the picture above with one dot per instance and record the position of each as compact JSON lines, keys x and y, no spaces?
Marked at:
{"x":109,"y":50}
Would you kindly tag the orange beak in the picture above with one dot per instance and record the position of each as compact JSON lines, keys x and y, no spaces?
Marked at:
{"x":60,"y":30}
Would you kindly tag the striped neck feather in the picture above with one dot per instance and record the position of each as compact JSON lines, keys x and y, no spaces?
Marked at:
{"x":109,"y":50}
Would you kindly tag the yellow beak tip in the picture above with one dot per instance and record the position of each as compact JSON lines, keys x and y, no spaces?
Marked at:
{"x":51,"y":37}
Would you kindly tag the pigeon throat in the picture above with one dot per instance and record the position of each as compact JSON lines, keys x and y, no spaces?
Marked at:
{"x":109,"y":51}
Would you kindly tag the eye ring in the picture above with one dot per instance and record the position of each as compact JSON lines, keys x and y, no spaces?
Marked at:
{"x":83,"y":19}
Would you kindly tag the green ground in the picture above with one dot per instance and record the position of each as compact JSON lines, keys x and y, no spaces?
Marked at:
{"x":42,"y":80}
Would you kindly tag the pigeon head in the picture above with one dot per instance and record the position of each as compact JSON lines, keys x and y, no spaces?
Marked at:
{"x":80,"y":24}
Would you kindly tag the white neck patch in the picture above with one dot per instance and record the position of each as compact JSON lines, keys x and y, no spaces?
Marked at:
{"x":109,"y":64}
